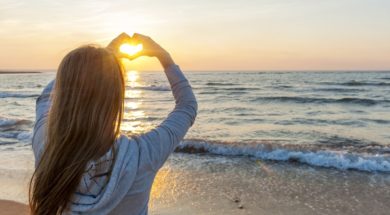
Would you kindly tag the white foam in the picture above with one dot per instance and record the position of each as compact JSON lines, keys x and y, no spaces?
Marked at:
{"x":337,"y":159}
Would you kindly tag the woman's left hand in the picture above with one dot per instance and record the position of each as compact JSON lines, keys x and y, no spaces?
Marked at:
{"x":116,"y":43}
{"x":151,"y":49}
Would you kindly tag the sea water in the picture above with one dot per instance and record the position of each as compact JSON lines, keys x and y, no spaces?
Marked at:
{"x":331,"y":119}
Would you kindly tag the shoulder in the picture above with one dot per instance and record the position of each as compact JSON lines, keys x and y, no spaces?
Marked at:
{"x":146,"y":144}
{"x":126,"y":145}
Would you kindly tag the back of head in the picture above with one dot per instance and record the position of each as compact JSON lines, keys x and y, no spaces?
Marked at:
{"x":83,"y":123}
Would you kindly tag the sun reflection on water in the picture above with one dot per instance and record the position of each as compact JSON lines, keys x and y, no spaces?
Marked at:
{"x":134,"y":119}
{"x":132,"y":76}
{"x":132,"y":105}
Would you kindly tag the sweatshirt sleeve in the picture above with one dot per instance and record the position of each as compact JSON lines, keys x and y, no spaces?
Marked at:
{"x":43,"y":101}
{"x":43,"y":104}
{"x":157,"y":144}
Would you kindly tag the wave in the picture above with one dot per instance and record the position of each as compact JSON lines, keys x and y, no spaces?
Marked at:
{"x":219,"y":84}
{"x":12,"y":124}
{"x":207,"y":92}
{"x":152,"y":88}
{"x":240,"y":88}
{"x":24,"y":136}
{"x":311,"y":121}
{"x":353,"y":90}
{"x":236,"y":93}
{"x":375,"y":158}
{"x":345,"y":122}
{"x":280,"y":86}
{"x":378,"y":121}
{"x":4,"y":142}
{"x":16,"y":95}
{"x":359,"y":101}
{"x":15,"y":137}
{"x":358,"y":83}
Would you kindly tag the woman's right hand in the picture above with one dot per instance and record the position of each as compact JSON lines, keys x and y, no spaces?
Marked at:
{"x":151,"y":49}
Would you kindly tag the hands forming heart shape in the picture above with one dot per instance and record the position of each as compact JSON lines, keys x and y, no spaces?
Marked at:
{"x":125,"y":46}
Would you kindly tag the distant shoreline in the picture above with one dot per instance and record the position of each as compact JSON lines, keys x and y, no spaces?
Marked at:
{"x":18,"y":72}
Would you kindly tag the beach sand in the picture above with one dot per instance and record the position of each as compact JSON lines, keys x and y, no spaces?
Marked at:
{"x":192,"y":184}
{"x":12,"y":208}
{"x":206,"y":184}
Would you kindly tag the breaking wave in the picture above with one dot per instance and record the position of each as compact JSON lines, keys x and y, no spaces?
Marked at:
{"x":372,"y":157}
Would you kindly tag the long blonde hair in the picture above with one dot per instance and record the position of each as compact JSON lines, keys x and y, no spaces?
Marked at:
{"x":83,"y":123}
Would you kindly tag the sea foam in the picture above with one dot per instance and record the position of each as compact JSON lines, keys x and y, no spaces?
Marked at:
{"x":340,"y":159}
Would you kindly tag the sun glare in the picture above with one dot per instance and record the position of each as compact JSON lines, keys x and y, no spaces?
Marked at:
{"x":130,"y":49}
{"x":132,"y":76}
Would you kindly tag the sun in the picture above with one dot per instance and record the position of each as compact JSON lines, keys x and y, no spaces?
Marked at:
{"x":130,"y":49}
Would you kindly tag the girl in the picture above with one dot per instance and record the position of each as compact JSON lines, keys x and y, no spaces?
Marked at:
{"x":84,"y":165}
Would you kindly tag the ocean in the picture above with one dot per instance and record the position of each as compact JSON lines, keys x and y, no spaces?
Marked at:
{"x":338,"y":120}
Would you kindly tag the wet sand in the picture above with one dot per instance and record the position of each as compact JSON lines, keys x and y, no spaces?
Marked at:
{"x":205,"y":184}
{"x":12,"y":208}
{"x":193,"y":184}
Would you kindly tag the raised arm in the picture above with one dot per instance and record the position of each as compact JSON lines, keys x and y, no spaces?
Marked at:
{"x":43,"y":104}
{"x":160,"y":142}
{"x":157,"y":144}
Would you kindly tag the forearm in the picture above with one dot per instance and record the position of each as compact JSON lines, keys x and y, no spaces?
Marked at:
{"x":162,"y":140}
{"x":181,"y":88}
{"x":185,"y":111}
{"x":165,"y":59}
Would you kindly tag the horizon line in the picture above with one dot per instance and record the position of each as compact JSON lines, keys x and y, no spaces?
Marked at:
{"x":32,"y":71}
{"x":218,"y":70}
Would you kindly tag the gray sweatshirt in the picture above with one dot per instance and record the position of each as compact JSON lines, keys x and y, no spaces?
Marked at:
{"x":137,"y":160}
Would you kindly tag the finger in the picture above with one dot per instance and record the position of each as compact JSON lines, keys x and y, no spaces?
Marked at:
{"x":137,"y":35}
{"x":123,"y":36}
{"x":137,"y":55}
{"x":133,"y":57}
{"x":127,"y":57}
{"x":120,"y":39}
{"x":121,"y":55}
{"x":140,"y":37}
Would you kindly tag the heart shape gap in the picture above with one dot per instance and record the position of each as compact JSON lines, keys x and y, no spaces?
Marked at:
{"x":130,"y":49}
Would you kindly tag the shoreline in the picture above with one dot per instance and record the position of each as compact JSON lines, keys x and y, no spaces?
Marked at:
{"x":211,"y":184}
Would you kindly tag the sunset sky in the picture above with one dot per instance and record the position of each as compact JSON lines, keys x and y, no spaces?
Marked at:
{"x":204,"y":34}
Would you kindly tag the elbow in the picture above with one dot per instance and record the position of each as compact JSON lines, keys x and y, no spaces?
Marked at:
{"x":190,"y":108}
{"x":194,"y":104}
{"x":194,"y":107}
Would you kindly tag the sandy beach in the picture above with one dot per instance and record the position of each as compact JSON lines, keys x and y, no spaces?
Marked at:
{"x":281,"y":107}
{"x":12,"y":208}
{"x":336,"y":149}
{"x":207,"y":184}
{"x":215,"y":185}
